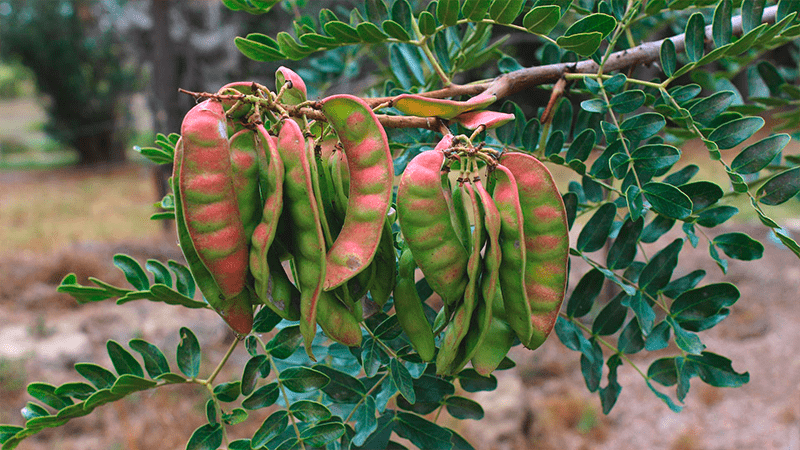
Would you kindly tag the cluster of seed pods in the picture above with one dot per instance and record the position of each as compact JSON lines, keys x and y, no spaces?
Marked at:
{"x":496,"y":254}
{"x":255,"y":208}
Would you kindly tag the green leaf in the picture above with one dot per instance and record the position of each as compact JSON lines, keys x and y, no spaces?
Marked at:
{"x":717,"y":370}
{"x":663,"y":371}
{"x":472,"y":381}
{"x":447,"y":12}
{"x":684,"y":283}
{"x":343,"y":388}
{"x":395,"y":30}
{"x":318,"y":41}
{"x":581,"y":146}
{"x":76,"y":390}
{"x":265,"y":320}
{"x":160,"y":272}
{"x":262,"y":49}
{"x":610,"y":318}
{"x":610,"y":393}
{"x":323,"y":434}
{"x":309,"y":411}
{"x":667,"y":200}
{"x":421,"y":432}
{"x":271,"y":428}
{"x":585,"y":293}
{"x":475,"y":9}
{"x":693,"y":308}
{"x":505,"y":11}
{"x":709,"y":108}
{"x":628,"y":101}
{"x":133,"y":271}
{"x":342,"y":32}
{"x":595,"y":233}
{"x":251,"y":373}
{"x":759,"y":155}
{"x":372,"y":356}
{"x":154,"y":360}
{"x":733,"y":133}
{"x":365,"y":421}
{"x":721,"y":23}
{"x":285,"y":343}
{"x":739,"y":246}
{"x":686,"y":340}
{"x":642,"y":126}
{"x":402,"y":380}
{"x":583,"y":44}
{"x":127,"y":384}
{"x":46,"y":393}
{"x":100,"y":377}
{"x":669,"y":57}
{"x":623,"y":250}
{"x":123,"y":361}
{"x":184,"y":283}
{"x":702,"y":194}
{"x":655,"y":158}
{"x":427,"y":23}
{"x":207,"y":437}
{"x":235,"y":417}
{"x":262,"y":397}
{"x":631,"y":339}
{"x":188,"y":353}
{"x":463,"y":408}
{"x":291,"y":48}
{"x":592,"y":365}
{"x":695,"y":37}
{"x":369,"y":32}
{"x":303,"y":379}
{"x":228,"y":392}
{"x":406,"y":65}
{"x":780,"y":188}
{"x":602,"y":23}
{"x":541,"y":19}
{"x":752,"y":11}
{"x":658,"y":271}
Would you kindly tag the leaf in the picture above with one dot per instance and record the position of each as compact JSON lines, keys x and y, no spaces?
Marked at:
{"x":342,"y":32}
{"x":686,"y":340}
{"x":642,"y":126}
{"x":472,"y":381}
{"x":447,"y":12}
{"x":721,"y":23}
{"x":259,"y":47}
{"x":623,"y":250}
{"x":123,"y":361}
{"x":373,"y":356}
{"x":343,"y":388}
{"x":402,"y":380}
{"x":658,"y":271}
{"x":655,"y":158}
{"x":702,"y":194}
{"x":583,"y":44}
{"x":712,"y":106}
{"x":133,"y":271}
{"x":463,"y":408}
{"x":365,"y":421}
{"x":401,"y":13}
{"x":693,"y":308}
{"x":595,"y":233}
{"x":207,"y":437}
{"x":602,"y":23}
{"x":759,"y":155}
{"x":100,"y":377}
{"x":309,"y":411}
{"x":739,"y":246}
{"x":369,"y":32}
{"x":184,"y":283}
{"x":46,"y":393}
{"x":716,"y":370}
{"x":669,"y":58}
{"x":667,"y":200}
{"x":695,"y":37}
{"x":684,"y":283}
{"x":323,"y":434}
{"x":752,"y":11}
{"x":780,"y":188}
{"x":421,"y":432}
{"x":610,"y":393}
{"x":405,"y":66}
{"x":610,"y":318}
{"x":583,"y":296}
{"x":303,"y":379}
{"x":160,"y":272}
{"x":154,"y":360}
{"x":505,"y":11}
{"x":228,"y":392}
{"x":251,"y":373}
{"x":628,"y":101}
{"x":188,"y":353}
{"x":475,"y":10}
{"x":76,"y":390}
{"x":395,"y":30}
{"x":265,"y":320}
{"x":284,"y":344}
{"x":262,"y":397}
{"x":592,"y":365}
{"x":541,"y":19}
{"x":733,"y":133}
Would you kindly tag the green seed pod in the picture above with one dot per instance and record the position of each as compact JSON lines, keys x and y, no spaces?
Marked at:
{"x":409,"y":311}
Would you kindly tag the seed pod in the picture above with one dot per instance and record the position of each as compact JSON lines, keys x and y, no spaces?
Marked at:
{"x":546,"y":242}
{"x":409,"y":311}
{"x":512,"y":244}
{"x":297,"y":93}
{"x":424,"y":219}
{"x":307,"y":244}
{"x":337,"y":321}
{"x":371,"y":176}
{"x":245,"y":176}
{"x":497,"y":341}
{"x":236,"y":311}
{"x":385,"y":267}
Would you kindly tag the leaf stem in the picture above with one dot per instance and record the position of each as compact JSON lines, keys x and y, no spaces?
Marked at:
{"x":286,"y":399}
{"x":224,"y":360}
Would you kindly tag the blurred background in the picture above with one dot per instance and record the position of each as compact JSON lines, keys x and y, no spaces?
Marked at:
{"x":82,"y":82}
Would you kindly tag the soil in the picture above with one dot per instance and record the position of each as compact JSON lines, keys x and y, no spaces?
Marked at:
{"x":542,"y":403}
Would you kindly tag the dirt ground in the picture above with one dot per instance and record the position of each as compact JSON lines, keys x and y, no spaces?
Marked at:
{"x":542,"y":403}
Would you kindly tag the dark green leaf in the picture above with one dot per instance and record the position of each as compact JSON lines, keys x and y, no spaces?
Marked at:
{"x":77,"y":390}
{"x":695,"y":37}
{"x":342,"y":32}
{"x":123,"y":361}
{"x":154,"y":360}
{"x":759,"y":155}
{"x":658,"y":271}
{"x":594,"y":234}
{"x":682,"y":176}
{"x":207,"y":437}
{"x":780,"y":188}
{"x":309,"y":411}
{"x":631,"y":339}
{"x":235,"y":417}
{"x":684,"y":283}
{"x":463,"y":408}
{"x":211,"y":411}
{"x":585,"y":293}
{"x":610,"y":393}
{"x":228,"y":392}
{"x":583,"y":44}
{"x":595,"y":105}
{"x":284,"y":344}
{"x":658,"y":338}
{"x":663,"y":372}
{"x":752,"y":11}
{"x":602,"y":23}
{"x":667,"y":200}
{"x":303,"y":379}
{"x":717,"y":370}
{"x":721,"y":24}
{"x":702,"y":193}
{"x":184,"y":283}
{"x":100,"y":377}
{"x":635,"y":201}
{"x":133,"y":271}
{"x":712,"y":106}
{"x":291,"y":48}
{"x":655,"y":158}
{"x":342,"y":388}
{"x":369,"y":32}
{"x":258,"y":50}
{"x":610,"y":318}
{"x":365,"y":421}
{"x":395,"y":30}
{"x":317,"y":41}
{"x":592,"y":365}
{"x":541,"y":19}
{"x":623,"y":250}
{"x":33,"y":410}
{"x":373,"y":356}
{"x":262,"y":397}
{"x":188,"y":353}
{"x":427,"y":23}
{"x":642,"y":126}
{"x":160,"y":272}
{"x":322,"y":434}
{"x":251,"y":373}
{"x":376,"y":10}
{"x":127,"y":384}
{"x":447,"y":12}
{"x":733,"y":133}
{"x":656,"y":229}
{"x":628,"y":101}
{"x":402,"y":380}
{"x":645,"y":315}
{"x":581,"y":146}
{"x":668,"y":57}
{"x":46,"y":393}
{"x":265,"y":320}
{"x":472,"y":381}
{"x":406,"y":65}
{"x":475,"y":9}
{"x":401,"y":13}
{"x":739,"y":246}
{"x":421,"y":432}
{"x":505,"y":11}
{"x":686,"y":340}
{"x":554,"y":143}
